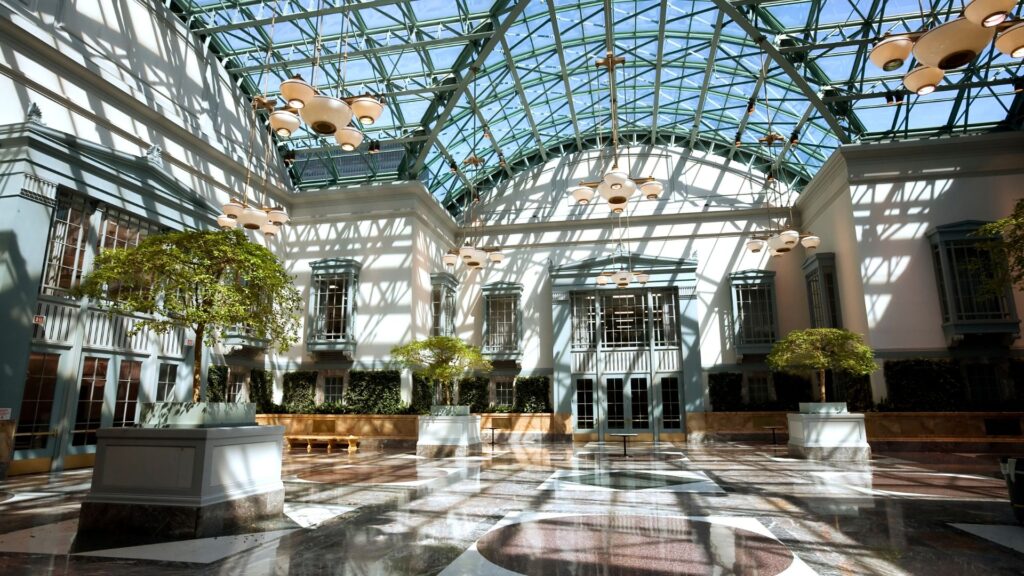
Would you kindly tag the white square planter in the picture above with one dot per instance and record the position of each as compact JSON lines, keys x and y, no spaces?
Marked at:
{"x":446,"y":436}
{"x":828,"y":436}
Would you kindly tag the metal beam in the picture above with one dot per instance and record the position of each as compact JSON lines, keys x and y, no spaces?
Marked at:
{"x":786,"y":66}
{"x":522,"y":98}
{"x":560,"y":50}
{"x":712,"y":53}
{"x":309,"y":15}
{"x":662,"y":17}
{"x":460,"y":89}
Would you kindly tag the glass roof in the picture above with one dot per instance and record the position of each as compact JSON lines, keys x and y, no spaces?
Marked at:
{"x":691,"y":69}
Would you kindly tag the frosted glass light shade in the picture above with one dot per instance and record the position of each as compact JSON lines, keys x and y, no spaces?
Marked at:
{"x":789,"y":237}
{"x":643,"y":277}
{"x":615,"y":176}
{"x":953,"y":44}
{"x":252,"y":218}
{"x":367,"y":109}
{"x":617,"y":207}
{"x":467,"y":250}
{"x":450,"y":259}
{"x":622,"y":277}
{"x":326,"y":114}
{"x":297,"y":92}
{"x":651,"y":190}
{"x":602,"y":280}
{"x":810,"y":242}
{"x":617,"y":195}
{"x":270,"y":229}
{"x":1011,"y":41}
{"x":233,"y":208}
{"x":277,"y":215}
{"x":226,"y":222}
{"x":923,"y":80}
{"x":755,"y":245}
{"x":890,"y":53}
{"x":284,"y":123}
{"x":496,"y":257}
{"x":348,"y":138}
{"x":989,"y":13}
{"x":582,"y":194}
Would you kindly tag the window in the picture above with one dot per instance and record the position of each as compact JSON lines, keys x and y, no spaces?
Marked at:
{"x":759,"y":388}
{"x":37,"y":402}
{"x":333,"y":306}
{"x":69,"y":236}
{"x":334,"y":388}
{"x":584,"y":321}
{"x":89,"y":414}
{"x":442,"y":301}
{"x":822,"y":291}
{"x":624,"y":319}
{"x":638,"y":400}
{"x":235,"y":391}
{"x":664,"y":320}
{"x":122,"y":230}
{"x":584,"y":403}
{"x":964,"y":270}
{"x":129,"y":377}
{"x":753,"y":309}
{"x":503,"y":390}
{"x":501,"y":319}
{"x":165,"y":382}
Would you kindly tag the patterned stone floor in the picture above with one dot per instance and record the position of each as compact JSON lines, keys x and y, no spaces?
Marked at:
{"x":723,"y":508}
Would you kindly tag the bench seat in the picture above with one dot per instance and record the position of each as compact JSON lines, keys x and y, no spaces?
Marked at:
{"x":330,"y":439}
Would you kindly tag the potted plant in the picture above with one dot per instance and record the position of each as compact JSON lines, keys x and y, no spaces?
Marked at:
{"x":442,"y":361}
{"x":208,"y":281}
{"x":825,"y":430}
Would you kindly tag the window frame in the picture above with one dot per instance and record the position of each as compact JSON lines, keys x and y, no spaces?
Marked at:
{"x":822,"y":283}
{"x":443,"y":303}
{"x":503,"y":291}
{"x":333,"y":269}
{"x":753,"y":281}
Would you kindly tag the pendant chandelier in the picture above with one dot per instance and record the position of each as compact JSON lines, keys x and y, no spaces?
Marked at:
{"x":621,"y":274}
{"x":951,"y":45}
{"x":322,"y":113}
{"x":616,"y":187}
{"x":472,"y":256}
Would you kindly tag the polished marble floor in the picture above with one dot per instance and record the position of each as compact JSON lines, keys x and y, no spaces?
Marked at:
{"x":724,"y":508}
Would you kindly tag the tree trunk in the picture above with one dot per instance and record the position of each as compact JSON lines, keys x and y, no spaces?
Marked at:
{"x":821,"y":383}
{"x":197,"y":365}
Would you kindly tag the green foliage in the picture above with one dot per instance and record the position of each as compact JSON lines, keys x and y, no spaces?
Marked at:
{"x":1007,"y":246}
{"x":374,"y":392}
{"x":331,"y":408}
{"x":822,"y":349}
{"x":422,"y":395}
{"x":261,"y":391}
{"x":856,"y":391}
{"x":791,"y":390}
{"x":475,"y":393}
{"x":726,"y":391}
{"x":923,"y":385}
{"x":499,"y":409}
{"x":209,"y":281}
{"x":299,"y":392}
{"x":533,"y":394}
{"x":216,"y":383}
{"x":442,"y":360}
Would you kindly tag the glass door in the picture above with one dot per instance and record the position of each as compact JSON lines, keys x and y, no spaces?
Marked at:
{"x":628,"y":404}
{"x":35,"y":438}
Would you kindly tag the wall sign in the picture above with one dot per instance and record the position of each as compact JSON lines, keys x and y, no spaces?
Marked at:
{"x":5,"y":413}
{"x":39,"y":319}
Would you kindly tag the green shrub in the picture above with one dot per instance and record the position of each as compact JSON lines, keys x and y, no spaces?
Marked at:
{"x":855,"y":391}
{"x":216,"y":383}
{"x":499,"y":408}
{"x":791,"y":390}
{"x":475,"y":393}
{"x":923,"y":385}
{"x":261,"y":391}
{"x":726,"y":391}
{"x":533,"y":394}
{"x":422,"y":395}
{"x":330,"y":408}
{"x":299,"y":392}
{"x":374,"y":392}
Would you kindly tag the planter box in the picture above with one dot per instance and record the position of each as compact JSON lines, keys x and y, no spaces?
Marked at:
{"x":828,"y":436}
{"x":447,"y":436}
{"x":183,"y":482}
{"x":196,"y":414}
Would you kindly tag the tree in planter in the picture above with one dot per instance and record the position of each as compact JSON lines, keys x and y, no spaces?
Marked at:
{"x":1007,"y":245}
{"x":442,"y":361}
{"x":209,"y":281}
{"x":821,"y":349}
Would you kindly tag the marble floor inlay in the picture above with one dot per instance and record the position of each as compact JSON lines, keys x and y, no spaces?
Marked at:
{"x":715,"y":508}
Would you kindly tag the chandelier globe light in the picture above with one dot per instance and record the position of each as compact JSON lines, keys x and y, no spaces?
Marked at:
{"x":497,"y":256}
{"x":989,"y":13}
{"x":277,"y":215}
{"x":617,"y":207}
{"x":602,"y":280}
{"x":326,"y":114}
{"x":270,"y":229}
{"x":923,"y":80}
{"x":582,"y":194}
{"x":252,"y":218}
{"x":810,"y":242}
{"x":756,"y":245}
{"x":643,"y":277}
{"x":1011,"y":41}
{"x":789,"y":237}
{"x":953,"y":44}
{"x":891,"y":52}
{"x":348,"y":138}
{"x":615,"y":178}
{"x":450,"y":258}
{"x":366,"y":109}
{"x":296,"y":92}
{"x":284,"y":123}
{"x":233,"y":208}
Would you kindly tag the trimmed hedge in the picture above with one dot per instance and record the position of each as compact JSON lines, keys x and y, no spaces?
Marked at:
{"x":422,"y":395}
{"x":923,"y":385}
{"x":475,"y":392}
{"x":791,"y":390}
{"x":299,"y":392}
{"x":216,"y":383}
{"x":374,"y":392}
{"x":533,"y":394}
{"x":726,"y":391}
{"x":261,"y":391}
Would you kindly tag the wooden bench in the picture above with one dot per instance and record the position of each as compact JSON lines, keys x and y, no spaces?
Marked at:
{"x":330,"y":439}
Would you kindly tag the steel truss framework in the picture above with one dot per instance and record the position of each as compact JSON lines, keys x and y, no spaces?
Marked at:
{"x":691,"y":69}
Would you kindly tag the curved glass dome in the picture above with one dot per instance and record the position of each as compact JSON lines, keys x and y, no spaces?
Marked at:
{"x":697,"y":74}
